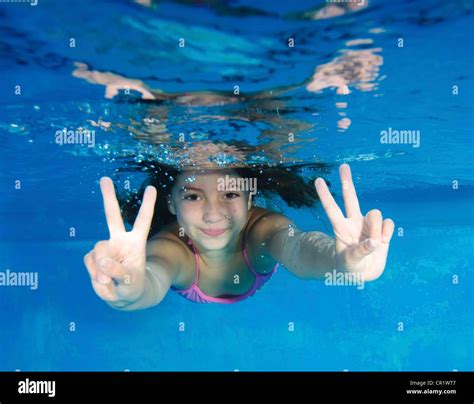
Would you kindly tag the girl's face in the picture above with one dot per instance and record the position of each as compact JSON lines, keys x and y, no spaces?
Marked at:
{"x":210,"y":214}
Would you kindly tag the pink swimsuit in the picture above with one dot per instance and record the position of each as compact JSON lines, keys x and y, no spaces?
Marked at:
{"x":195,"y":294}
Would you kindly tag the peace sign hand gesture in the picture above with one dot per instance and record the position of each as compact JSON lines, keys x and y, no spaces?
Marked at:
{"x":361,"y":242}
{"x":117,"y":266}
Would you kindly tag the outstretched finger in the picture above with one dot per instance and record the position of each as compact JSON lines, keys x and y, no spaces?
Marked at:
{"x":351,"y":202}
{"x":374,"y":223}
{"x":145,"y":215}
{"x":329,"y":204}
{"x":111,"y":207}
{"x":387,"y":230}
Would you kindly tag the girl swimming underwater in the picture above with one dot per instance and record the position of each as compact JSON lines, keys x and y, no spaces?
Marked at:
{"x":220,"y":247}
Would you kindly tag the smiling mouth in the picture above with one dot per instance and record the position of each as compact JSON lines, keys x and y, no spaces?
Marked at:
{"x":214,"y":232}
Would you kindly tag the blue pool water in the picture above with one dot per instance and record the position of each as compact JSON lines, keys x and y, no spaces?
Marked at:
{"x":417,"y":316}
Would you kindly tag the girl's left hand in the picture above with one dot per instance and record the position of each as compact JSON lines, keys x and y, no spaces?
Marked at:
{"x":361,"y":242}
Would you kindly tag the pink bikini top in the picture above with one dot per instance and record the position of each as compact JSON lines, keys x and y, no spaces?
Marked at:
{"x":195,"y":294}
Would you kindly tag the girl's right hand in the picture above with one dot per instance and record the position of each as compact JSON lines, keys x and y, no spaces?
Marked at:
{"x":117,"y":266}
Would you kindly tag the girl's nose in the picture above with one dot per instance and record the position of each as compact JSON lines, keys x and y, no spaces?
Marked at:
{"x":213,"y":213}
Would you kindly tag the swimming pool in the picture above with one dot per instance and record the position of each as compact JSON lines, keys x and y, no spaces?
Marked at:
{"x":345,"y":87}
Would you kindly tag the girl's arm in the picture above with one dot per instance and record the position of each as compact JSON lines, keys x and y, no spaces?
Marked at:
{"x":361,"y":242}
{"x":308,"y":255}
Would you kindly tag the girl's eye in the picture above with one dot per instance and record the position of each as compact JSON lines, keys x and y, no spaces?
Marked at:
{"x":192,"y":197}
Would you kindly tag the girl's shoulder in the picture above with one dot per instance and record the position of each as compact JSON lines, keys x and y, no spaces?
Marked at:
{"x":168,"y":241}
{"x":257,"y":213}
{"x":255,"y":240}
{"x":259,"y":235}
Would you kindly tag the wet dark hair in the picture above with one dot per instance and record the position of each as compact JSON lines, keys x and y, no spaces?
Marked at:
{"x":286,"y":181}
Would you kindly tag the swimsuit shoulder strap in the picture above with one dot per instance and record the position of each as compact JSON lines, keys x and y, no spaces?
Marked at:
{"x":246,"y":258}
{"x":247,"y":261}
{"x":196,"y":259}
